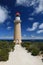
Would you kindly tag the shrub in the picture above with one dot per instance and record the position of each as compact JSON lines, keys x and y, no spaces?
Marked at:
{"x":34,"y":47}
{"x":4,"y":55}
{"x":5,"y":48}
{"x":41,"y":52}
{"x":35,"y":51}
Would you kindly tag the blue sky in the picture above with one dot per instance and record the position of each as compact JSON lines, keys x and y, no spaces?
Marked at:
{"x":31,"y":12}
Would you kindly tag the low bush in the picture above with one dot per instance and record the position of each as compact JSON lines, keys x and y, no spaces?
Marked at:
{"x":4,"y":55}
{"x":35,"y":51}
{"x":5,"y":48}
{"x":33,"y":47}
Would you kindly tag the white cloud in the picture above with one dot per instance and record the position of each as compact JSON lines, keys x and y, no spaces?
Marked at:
{"x":7,"y":37}
{"x":35,"y":25}
{"x":8,"y":22}
{"x":32,"y":13}
{"x":30,"y":18}
{"x":41,"y":26}
{"x":24,"y":35}
{"x":37,"y":4}
{"x":22,"y":2}
{"x":40,"y":31}
{"x":8,"y":28}
{"x":33,"y":38}
{"x":3,"y":14}
{"x":40,"y":7}
{"x":26,"y":2}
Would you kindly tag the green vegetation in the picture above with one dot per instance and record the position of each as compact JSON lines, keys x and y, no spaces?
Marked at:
{"x":5,"y":48}
{"x":34,"y":47}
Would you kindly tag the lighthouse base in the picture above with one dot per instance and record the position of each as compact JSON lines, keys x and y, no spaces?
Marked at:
{"x":17,"y":42}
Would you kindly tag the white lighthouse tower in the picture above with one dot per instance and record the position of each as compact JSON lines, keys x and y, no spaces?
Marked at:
{"x":17,"y":29}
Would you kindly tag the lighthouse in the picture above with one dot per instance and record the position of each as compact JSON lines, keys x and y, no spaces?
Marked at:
{"x":17,"y":29}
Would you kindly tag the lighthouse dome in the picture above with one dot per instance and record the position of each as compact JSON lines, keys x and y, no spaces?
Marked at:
{"x":17,"y":18}
{"x":17,"y":14}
